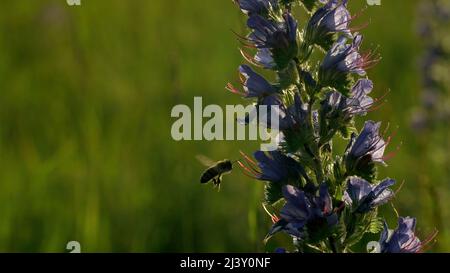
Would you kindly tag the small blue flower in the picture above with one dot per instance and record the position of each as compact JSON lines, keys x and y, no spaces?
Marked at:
{"x":276,"y":41}
{"x":360,"y":102}
{"x":327,"y":21}
{"x":403,"y":239}
{"x":255,"y":86}
{"x":296,"y":115}
{"x":274,"y":166}
{"x":269,"y":34}
{"x":340,"y":108}
{"x":367,"y":148}
{"x":364,"y":197}
{"x":275,"y":111}
{"x":298,"y":126}
{"x":303,"y":214}
{"x":256,"y":6}
{"x":263,"y":58}
{"x":344,"y":59}
{"x":280,"y":250}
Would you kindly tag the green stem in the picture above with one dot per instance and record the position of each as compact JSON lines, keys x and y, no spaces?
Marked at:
{"x":332,"y":244}
{"x":327,"y":137}
{"x":318,"y":169}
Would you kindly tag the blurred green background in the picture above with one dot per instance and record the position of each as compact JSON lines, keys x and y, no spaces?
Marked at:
{"x":85,"y":146}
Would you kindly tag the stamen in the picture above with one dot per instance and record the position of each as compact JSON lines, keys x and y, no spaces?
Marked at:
{"x":359,"y":13}
{"x":391,"y":137}
{"x":242,"y":39}
{"x":383,"y":96}
{"x":406,"y":246}
{"x":242,"y":78}
{"x":249,"y":58}
{"x":395,"y":210}
{"x":234,"y":90}
{"x":426,"y":244}
{"x":400,"y":187}
{"x":247,"y":157}
{"x":391,"y":155}
{"x":386,"y":129}
{"x":247,"y":171}
{"x":253,"y":166}
{"x":376,"y":107}
{"x":377,"y":104}
{"x":360,"y":27}
{"x":273,"y":217}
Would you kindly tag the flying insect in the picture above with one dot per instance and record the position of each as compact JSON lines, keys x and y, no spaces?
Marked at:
{"x":215,"y":170}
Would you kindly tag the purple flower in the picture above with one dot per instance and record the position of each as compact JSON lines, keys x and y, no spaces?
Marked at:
{"x":274,"y":166}
{"x":275,"y":111}
{"x":295,"y":125}
{"x":344,"y":59}
{"x":276,"y":41}
{"x":360,"y":103}
{"x":403,"y":239}
{"x":255,"y":86}
{"x":256,"y":6}
{"x":365,"y":149}
{"x":326,"y":22}
{"x":305,"y":215}
{"x":269,"y":34}
{"x":296,"y":115}
{"x":263,"y":58}
{"x":340,"y":108}
{"x":364,"y":197}
{"x":280,"y":250}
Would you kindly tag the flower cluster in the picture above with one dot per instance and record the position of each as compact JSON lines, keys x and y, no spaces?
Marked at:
{"x":325,"y":202}
{"x":431,"y":118}
{"x":433,"y":29}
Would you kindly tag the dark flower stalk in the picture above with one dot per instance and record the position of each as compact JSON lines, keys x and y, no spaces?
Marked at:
{"x":325,"y":202}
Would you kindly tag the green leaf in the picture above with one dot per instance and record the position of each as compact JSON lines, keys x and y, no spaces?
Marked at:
{"x":357,"y":225}
{"x":367,"y":170}
{"x":346,"y":131}
{"x":288,"y":76}
{"x":272,"y":192}
{"x":376,"y":225}
{"x":338,"y":169}
{"x":287,"y":2}
{"x":310,"y":5}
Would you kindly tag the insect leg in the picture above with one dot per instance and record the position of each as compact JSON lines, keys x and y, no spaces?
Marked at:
{"x":219,"y":181}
